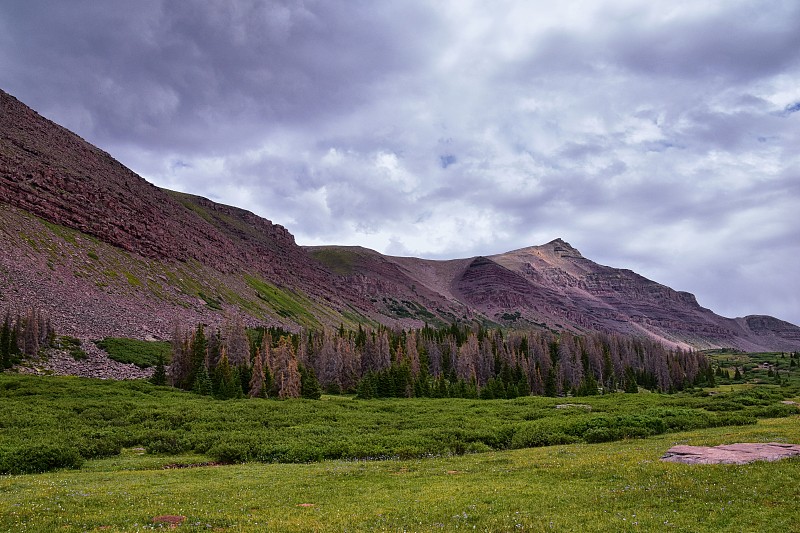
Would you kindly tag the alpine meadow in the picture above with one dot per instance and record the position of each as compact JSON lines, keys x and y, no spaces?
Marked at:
{"x":451,"y":319}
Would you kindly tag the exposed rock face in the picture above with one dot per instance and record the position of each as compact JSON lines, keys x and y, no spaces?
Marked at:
{"x":737,"y":454}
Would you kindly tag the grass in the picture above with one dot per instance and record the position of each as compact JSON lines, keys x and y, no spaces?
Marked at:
{"x":342,"y":262}
{"x":72,"y":346}
{"x":285,"y":303}
{"x":620,"y":486}
{"x":143,"y":354}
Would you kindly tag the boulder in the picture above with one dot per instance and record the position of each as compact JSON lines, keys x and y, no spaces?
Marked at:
{"x":739,"y":454}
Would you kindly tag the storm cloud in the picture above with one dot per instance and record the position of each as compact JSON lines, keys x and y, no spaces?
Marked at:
{"x":657,"y":136}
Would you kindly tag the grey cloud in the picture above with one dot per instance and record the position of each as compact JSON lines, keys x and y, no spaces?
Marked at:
{"x":661,"y":144}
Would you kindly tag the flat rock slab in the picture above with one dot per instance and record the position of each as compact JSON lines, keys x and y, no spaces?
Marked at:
{"x":736,"y":454}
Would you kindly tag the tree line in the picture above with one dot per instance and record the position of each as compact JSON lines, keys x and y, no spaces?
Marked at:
{"x":454,"y":361}
{"x":233,"y":362}
{"x":23,"y":336}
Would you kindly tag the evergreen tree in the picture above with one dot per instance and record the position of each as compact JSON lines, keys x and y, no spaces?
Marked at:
{"x":31,"y":334}
{"x":287,"y":375}
{"x":5,"y":343}
{"x":630,"y":381}
{"x":244,"y":373}
{"x":198,"y":355}
{"x":550,"y":386}
{"x":737,"y":376}
{"x":588,"y":386}
{"x":257,"y":388}
{"x":238,"y":391}
{"x":225,"y":385}
{"x":202,"y":383}
{"x":309,"y":386}
{"x":367,"y":387}
{"x":159,"y":376}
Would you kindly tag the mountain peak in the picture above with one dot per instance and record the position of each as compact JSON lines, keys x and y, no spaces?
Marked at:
{"x":563,"y":248}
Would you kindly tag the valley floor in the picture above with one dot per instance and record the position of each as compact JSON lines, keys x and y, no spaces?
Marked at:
{"x":618,"y":486}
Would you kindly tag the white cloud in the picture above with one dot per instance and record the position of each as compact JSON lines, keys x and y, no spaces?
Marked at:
{"x":651,"y":135}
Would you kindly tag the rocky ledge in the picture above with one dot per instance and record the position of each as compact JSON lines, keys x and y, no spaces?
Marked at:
{"x":737,"y":454}
{"x":97,"y":364}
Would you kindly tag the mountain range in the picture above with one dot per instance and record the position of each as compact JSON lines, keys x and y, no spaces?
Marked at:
{"x":105,"y":253}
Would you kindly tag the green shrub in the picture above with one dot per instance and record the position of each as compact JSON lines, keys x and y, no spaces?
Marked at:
{"x":99,"y":444}
{"x":533,"y":437}
{"x":39,"y":457}
{"x":143,"y":354}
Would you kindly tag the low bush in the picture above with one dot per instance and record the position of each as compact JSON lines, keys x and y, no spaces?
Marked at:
{"x":39,"y":457}
{"x":98,"y":418}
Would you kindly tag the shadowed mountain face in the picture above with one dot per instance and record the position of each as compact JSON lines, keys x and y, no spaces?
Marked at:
{"x":106,"y":253}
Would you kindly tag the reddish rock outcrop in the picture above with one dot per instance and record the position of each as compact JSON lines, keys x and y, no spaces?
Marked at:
{"x":738,"y":454}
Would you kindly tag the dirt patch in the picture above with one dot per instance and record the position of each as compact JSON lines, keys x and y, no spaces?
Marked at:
{"x":171,"y":520}
{"x":191,"y":465}
{"x":738,"y":454}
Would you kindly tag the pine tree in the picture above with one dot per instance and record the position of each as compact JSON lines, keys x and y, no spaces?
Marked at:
{"x":257,"y":389}
{"x":737,"y":375}
{"x":630,"y":380}
{"x":159,"y":376}
{"x":202,"y":383}
{"x":198,"y":354}
{"x":236,"y":342}
{"x":367,"y":387}
{"x":224,"y":384}
{"x":287,"y":375}
{"x":5,"y":343}
{"x":30,"y":334}
{"x":180,"y":365}
{"x":309,"y":386}
{"x":550,"y":386}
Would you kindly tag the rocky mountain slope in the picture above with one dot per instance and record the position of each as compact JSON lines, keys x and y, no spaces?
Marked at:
{"x":105,"y":253}
{"x":553,"y":286}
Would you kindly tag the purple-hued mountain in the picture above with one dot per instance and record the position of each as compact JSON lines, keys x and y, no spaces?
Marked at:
{"x":105,"y":253}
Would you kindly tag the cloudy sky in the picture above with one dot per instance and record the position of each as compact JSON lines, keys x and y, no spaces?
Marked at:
{"x":660,"y":136}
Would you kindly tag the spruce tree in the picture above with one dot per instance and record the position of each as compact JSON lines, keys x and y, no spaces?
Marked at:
{"x":367,"y":387}
{"x":257,"y":389}
{"x":309,"y":386}
{"x":287,"y":376}
{"x":31,"y":334}
{"x":550,"y":387}
{"x":5,"y":344}
{"x":159,"y":376}
{"x":202,"y":382}
{"x":225,"y":385}
{"x":197,"y":360}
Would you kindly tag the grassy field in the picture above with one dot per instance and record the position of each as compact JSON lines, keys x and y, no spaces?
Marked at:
{"x":311,"y":465}
{"x":620,"y":486}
